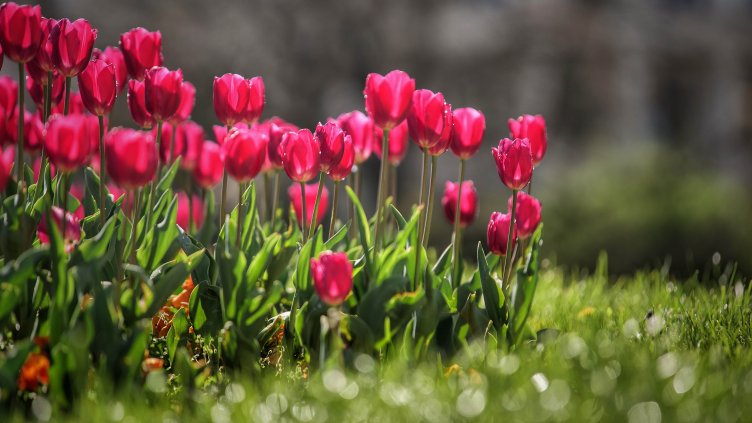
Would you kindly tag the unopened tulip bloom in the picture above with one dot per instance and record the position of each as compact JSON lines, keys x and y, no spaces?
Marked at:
{"x":66,"y":141}
{"x":514,"y":162}
{"x":72,"y":228}
{"x":388,"y":98}
{"x":256,"y":100}
{"x":231,"y":93}
{"x":33,"y":134}
{"x":6,"y":165}
{"x":209,"y":166}
{"x":72,"y":43}
{"x":331,"y":140}
{"x":244,"y":151}
{"x":189,"y":137}
{"x":8,"y":95}
{"x":528,"y":214}
{"x":398,"y":143}
{"x":342,"y":170}
{"x":427,"y":118}
{"x":36,"y":89}
{"x":534,"y":129}
{"x":20,"y":31}
{"x":98,"y":87}
{"x":184,"y":210}
{"x":468,"y":203}
{"x":277,"y":129}
{"x":360,"y":128}
{"x":75,"y":105}
{"x":42,"y":61}
{"x":162,"y":92}
{"x":137,"y":104}
{"x":142,"y":50}
{"x":469,"y":127}
{"x":498,"y":233}
{"x":301,"y":160}
{"x":114,"y":56}
{"x":296,"y":199}
{"x":332,"y":277}
{"x":445,"y":139}
{"x":187,"y":101}
{"x":131,"y":156}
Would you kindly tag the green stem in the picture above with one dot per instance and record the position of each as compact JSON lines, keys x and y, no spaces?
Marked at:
{"x":457,"y":230}
{"x":275,"y":198}
{"x":530,"y":186}
{"x":263,"y":213}
{"x":48,"y":98}
{"x":102,"y":168}
{"x":508,"y":257}
{"x":189,"y":191}
{"x":381,"y":190}
{"x":67,"y":95}
{"x":20,"y":112}
{"x":65,"y":179}
{"x":241,"y":210}
{"x":333,"y":220}
{"x":355,"y":185}
{"x":172,"y":144}
{"x":431,"y":197}
{"x":152,"y":186}
{"x":135,"y":213}
{"x":421,"y":217}
{"x":224,"y":194}
{"x":303,"y":214}
{"x":314,"y":219}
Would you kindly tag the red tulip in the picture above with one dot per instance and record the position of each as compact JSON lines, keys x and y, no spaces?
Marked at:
{"x":397,"y":142}
{"x":256,"y":100}
{"x":33,"y":131}
{"x":20,"y":31}
{"x":8,"y":96}
{"x":498,"y":233}
{"x":311,"y":190}
{"x":187,"y":101}
{"x":331,"y":140}
{"x":528,"y":214}
{"x":142,"y":50}
{"x":534,"y":129}
{"x":184,"y":211}
{"x":209,"y":166}
{"x":244,"y":151}
{"x":162,"y":92}
{"x":514,"y":162}
{"x":468,"y":203}
{"x":231,"y":94}
{"x":77,"y":191}
{"x":76,"y":105}
{"x":446,"y":137}
{"x":42,"y":61}
{"x":36,"y":89}
{"x":72,"y":228}
{"x":469,"y":126}
{"x":360,"y":128}
{"x":114,"y":56}
{"x":427,"y":118}
{"x":301,"y":159}
{"x":71,"y":46}
{"x":6,"y":166}
{"x":388,"y":98}
{"x":332,"y":277}
{"x":92,"y":126}
{"x":131,"y":157}
{"x":189,"y":137}
{"x":277,"y":129}
{"x":66,"y":141}
{"x":37,"y":168}
{"x":343,"y":169}
{"x":98,"y":87}
{"x":137,"y":104}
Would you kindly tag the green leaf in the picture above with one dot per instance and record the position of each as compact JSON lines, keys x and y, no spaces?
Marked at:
{"x":492,"y":293}
{"x":93,"y":248}
{"x":527,"y":282}
{"x":178,"y":329}
{"x":302,"y":274}
{"x":165,"y":183}
{"x":401,"y":222}
{"x":363,"y":226}
{"x":373,"y":306}
{"x":206,"y":309}
{"x":337,"y":237}
{"x":167,"y":278}
{"x":159,"y":239}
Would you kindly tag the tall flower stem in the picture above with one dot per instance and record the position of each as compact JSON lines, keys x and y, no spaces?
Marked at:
{"x":422,"y":211}
{"x":67,"y":95}
{"x":189,"y":191}
{"x":224,"y":192}
{"x":381,"y":190}
{"x":457,"y":244}
{"x":102,"y":169}
{"x":303,"y":212}
{"x":20,"y":111}
{"x":172,"y":143}
{"x":263,"y":213}
{"x":65,"y":179}
{"x":333,"y":220}
{"x":431,"y":197}
{"x":48,"y":98}
{"x":315,"y":216}
{"x":275,"y":198}
{"x":241,"y":212}
{"x":152,"y":186}
{"x":508,"y":257}
{"x":355,"y":185}
{"x":135,"y":213}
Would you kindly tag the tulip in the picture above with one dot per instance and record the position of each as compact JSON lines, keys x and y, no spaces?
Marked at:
{"x":360,"y":128}
{"x":514,"y":162}
{"x":20,"y":31}
{"x":297,"y":201}
{"x":189,"y":212}
{"x":435,"y":151}
{"x":188,"y":137}
{"x":332,"y":277}
{"x":34,"y":372}
{"x":66,"y":141}
{"x":277,"y":129}
{"x":468,"y":204}
{"x":528,"y":214}
{"x":469,"y":126}
{"x":534,"y":129}
{"x":162,"y":91}
{"x":427,"y":118}
{"x":132,"y":157}
{"x":397,"y":143}
{"x":187,"y":101}
{"x":114,"y":56}
{"x":71,"y":228}
{"x":142,"y":50}
{"x":37,"y":89}
{"x":33,"y":133}
{"x":209,"y":166}
{"x":331,"y":144}
{"x":498,"y":233}
{"x":256,"y":100}
{"x":445,"y":139}
{"x":244,"y":151}
{"x":339,"y":172}
{"x":6,"y":164}
{"x":72,"y":43}
{"x":301,"y":159}
{"x":75,"y":106}
{"x":8,"y":96}
{"x":42,"y":61}
{"x":231,"y":94}
{"x":388,"y":98}
{"x":137,"y":104}
{"x":98,"y":87}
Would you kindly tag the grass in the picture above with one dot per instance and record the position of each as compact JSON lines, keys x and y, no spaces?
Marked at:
{"x":645,"y":348}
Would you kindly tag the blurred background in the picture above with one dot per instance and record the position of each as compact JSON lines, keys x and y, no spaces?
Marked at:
{"x":648,"y":102}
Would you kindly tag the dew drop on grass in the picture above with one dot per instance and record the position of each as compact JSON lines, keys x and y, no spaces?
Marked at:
{"x":235,"y":393}
{"x":645,"y":412}
{"x":471,"y":402}
{"x":540,"y":381}
{"x":667,"y":365}
{"x":364,"y":363}
{"x":350,"y":391}
{"x":631,"y":329}
{"x":277,"y":403}
{"x":509,"y":364}
{"x":557,"y":396}
{"x":334,"y":380}
{"x":41,"y":408}
{"x":574,"y":346}
{"x":655,"y":325}
{"x":684,"y":380}
{"x":262,"y":413}
{"x":220,"y":414}
{"x":303,"y":412}
{"x":117,"y":411}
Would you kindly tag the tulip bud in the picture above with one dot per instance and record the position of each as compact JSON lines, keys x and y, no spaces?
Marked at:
{"x":72,"y":228}
{"x":301,"y":159}
{"x":388,"y":98}
{"x":468,"y":203}
{"x":360,"y":128}
{"x":231,"y":94}
{"x":342,"y":170}
{"x":189,"y":137}
{"x":137,"y":104}
{"x":331,"y":141}
{"x":469,"y":127}
{"x":98,"y":87}
{"x":71,"y":46}
{"x":6,"y":165}
{"x":277,"y":128}
{"x":446,"y":136}
{"x":209,"y":166}
{"x":498,"y":233}
{"x":311,"y":190}
{"x":33,"y":136}
{"x":20,"y":31}
{"x":8,"y":94}
{"x":76,"y":105}
{"x":42,"y":61}
{"x":332,"y":277}
{"x":142,"y":50}
{"x":184,"y":211}
{"x":514,"y":163}
{"x":528,"y":214}
{"x":66,"y":141}
{"x":36,"y":89}
{"x":427,"y":118}
{"x":114,"y":56}
{"x":131,"y":157}
{"x":187,"y":101}
{"x":397,"y":143}
{"x":256,"y":100}
{"x":162,"y":91}
{"x":534,"y":129}
{"x":244,"y":151}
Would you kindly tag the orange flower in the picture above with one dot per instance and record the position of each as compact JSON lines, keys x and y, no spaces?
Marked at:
{"x":162,"y":322}
{"x":151,"y":364}
{"x":34,"y":372}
